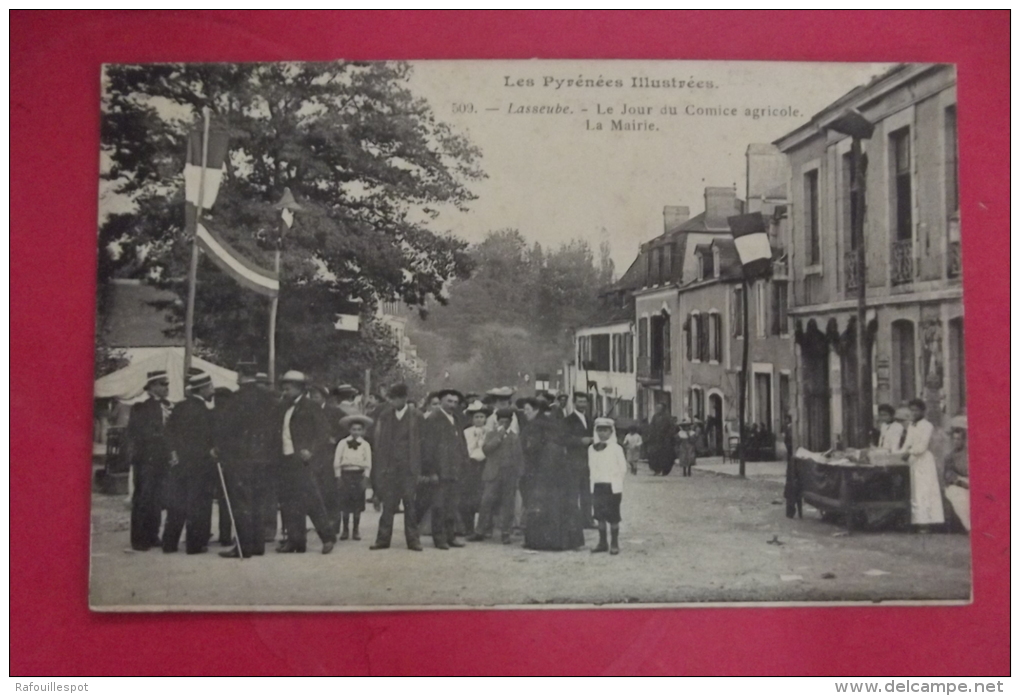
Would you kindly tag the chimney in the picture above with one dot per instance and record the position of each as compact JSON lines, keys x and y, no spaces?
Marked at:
{"x":675,"y":215}
{"x":720,"y":203}
{"x":766,"y":177}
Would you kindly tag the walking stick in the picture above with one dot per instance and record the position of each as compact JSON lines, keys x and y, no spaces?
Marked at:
{"x":230,"y":511}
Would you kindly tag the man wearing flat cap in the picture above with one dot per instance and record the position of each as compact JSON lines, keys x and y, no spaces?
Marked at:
{"x":191,"y":432}
{"x":443,"y":459}
{"x":303,"y":442}
{"x":149,"y":455}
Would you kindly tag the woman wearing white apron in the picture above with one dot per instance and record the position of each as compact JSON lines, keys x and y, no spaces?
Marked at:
{"x":925,"y":494}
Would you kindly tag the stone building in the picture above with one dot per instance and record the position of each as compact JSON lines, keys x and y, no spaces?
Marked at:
{"x":912,"y":255}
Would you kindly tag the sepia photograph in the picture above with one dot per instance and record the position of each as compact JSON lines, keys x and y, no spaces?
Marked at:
{"x":501,"y":334}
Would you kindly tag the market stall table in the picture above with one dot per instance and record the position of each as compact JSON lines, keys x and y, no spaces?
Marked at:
{"x":853,"y":489}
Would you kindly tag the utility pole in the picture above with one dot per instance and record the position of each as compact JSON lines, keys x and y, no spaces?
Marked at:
{"x":859,"y":128}
{"x":287,"y":207}
{"x":742,"y":409}
{"x":189,"y":311}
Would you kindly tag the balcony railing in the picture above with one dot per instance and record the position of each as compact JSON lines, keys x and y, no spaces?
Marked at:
{"x":954,"y":265}
{"x":852,"y":268}
{"x":901,"y":262}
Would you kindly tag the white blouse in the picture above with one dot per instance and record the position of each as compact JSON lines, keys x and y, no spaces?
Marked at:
{"x":347,"y":458}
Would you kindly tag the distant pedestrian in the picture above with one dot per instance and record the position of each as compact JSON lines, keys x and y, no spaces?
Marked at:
{"x":686,"y":449}
{"x":632,"y":447}
{"x":660,"y":441}
{"x":607,"y":465}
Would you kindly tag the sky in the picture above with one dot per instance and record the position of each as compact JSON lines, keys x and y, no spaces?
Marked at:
{"x":554,"y":177}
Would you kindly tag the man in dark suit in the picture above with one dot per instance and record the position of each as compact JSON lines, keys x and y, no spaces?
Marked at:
{"x":396,"y":466}
{"x":304,"y":440}
{"x":444,"y":455}
{"x":246,"y":426}
{"x":149,"y":455}
{"x":580,"y":432}
{"x":192,"y":437}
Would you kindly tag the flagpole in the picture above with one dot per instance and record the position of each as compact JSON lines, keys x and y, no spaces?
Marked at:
{"x":189,"y":316}
{"x":273,"y":305}
{"x":743,"y":380}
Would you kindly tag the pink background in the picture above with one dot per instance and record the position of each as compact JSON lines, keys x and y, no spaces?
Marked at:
{"x":55,"y":59}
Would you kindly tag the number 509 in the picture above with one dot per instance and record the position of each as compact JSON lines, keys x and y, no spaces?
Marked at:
{"x":463,"y":108}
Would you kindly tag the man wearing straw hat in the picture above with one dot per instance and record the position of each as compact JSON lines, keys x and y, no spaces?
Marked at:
{"x":304,"y":439}
{"x":192,"y":436}
{"x":149,"y":454}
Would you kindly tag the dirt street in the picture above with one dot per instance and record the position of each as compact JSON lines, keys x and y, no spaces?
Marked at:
{"x":692,"y":540}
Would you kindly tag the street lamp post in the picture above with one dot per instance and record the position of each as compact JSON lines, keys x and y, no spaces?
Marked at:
{"x":859,"y":128}
{"x":287,"y":207}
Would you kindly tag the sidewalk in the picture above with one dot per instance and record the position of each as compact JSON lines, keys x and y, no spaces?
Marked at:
{"x":761,"y":471}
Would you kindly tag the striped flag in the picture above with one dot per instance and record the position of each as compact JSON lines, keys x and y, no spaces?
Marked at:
{"x":231,"y":262}
{"x":216,"y":157}
{"x":751,"y":237}
{"x":207,"y":182}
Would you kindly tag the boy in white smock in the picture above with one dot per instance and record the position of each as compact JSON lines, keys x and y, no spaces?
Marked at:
{"x":607,"y":467}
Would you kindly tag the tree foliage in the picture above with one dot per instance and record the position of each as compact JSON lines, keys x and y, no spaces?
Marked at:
{"x":515,"y":315}
{"x":367,"y":160}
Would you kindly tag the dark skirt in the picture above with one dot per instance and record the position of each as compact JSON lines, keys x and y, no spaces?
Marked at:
{"x":606,"y":503}
{"x":352,"y":491}
{"x":553,"y":519}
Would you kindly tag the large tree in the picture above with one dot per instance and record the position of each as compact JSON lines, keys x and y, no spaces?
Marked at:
{"x":368,"y":161}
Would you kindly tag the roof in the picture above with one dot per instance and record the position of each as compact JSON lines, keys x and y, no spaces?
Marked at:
{"x":134,"y":320}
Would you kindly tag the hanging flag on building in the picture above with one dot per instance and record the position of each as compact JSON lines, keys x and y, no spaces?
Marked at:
{"x":751,"y":237}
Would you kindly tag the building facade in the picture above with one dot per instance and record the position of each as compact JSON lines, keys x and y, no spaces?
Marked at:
{"x":914,"y":315}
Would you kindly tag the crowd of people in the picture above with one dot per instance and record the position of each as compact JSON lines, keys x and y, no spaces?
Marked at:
{"x":469,"y":466}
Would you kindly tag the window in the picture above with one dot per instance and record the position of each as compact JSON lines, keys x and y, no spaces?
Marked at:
{"x":717,"y":344}
{"x":643,"y":337}
{"x":707,"y":265}
{"x":760,"y":309}
{"x":628,"y":344}
{"x":688,"y":338}
{"x":696,"y":404}
{"x":952,"y":164}
{"x":738,"y":312}
{"x":666,"y":272}
{"x":780,"y":301}
{"x":784,"y":397}
{"x":811,"y":221}
{"x":600,"y":352}
{"x":899,"y":150}
{"x":703,"y":338}
{"x":667,"y":343}
{"x":847,"y":211}
{"x":623,"y":408}
{"x":694,"y":337}
{"x":904,"y":365}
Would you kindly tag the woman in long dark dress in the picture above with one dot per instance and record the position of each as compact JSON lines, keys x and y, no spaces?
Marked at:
{"x":661,"y":451}
{"x":553,"y":516}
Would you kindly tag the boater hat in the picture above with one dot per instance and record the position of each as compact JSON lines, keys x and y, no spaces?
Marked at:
{"x":199,"y":380}
{"x":154,"y":376}
{"x":501,"y":392}
{"x":348,"y":421}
